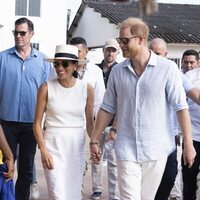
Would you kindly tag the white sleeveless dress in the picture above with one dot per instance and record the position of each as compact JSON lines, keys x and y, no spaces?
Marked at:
{"x":65,"y":139}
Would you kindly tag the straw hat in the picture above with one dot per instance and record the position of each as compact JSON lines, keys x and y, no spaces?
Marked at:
{"x":66,"y":52}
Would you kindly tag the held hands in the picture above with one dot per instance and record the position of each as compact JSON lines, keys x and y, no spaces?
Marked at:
{"x":47,"y":160}
{"x":95,"y":152}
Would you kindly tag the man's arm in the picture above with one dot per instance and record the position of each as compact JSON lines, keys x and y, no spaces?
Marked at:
{"x":189,"y":152}
{"x":194,"y":94}
{"x":102,"y":121}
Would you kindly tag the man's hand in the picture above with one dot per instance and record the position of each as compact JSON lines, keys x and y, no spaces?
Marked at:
{"x":189,"y":154}
{"x":95,"y":152}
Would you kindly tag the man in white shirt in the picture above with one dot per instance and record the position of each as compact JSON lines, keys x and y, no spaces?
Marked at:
{"x":141,"y":91}
{"x":93,"y":75}
{"x":190,"y":174}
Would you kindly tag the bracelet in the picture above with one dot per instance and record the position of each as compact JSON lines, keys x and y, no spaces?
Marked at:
{"x":94,"y":143}
{"x":113,"y":129}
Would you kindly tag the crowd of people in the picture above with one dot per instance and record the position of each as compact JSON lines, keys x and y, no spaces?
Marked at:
{"x":139,"y":115}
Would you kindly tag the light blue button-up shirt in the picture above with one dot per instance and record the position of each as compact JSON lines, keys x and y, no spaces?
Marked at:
{"x":19,"y":83}
{"x":143,"y":107}
{"x":194,"y":108}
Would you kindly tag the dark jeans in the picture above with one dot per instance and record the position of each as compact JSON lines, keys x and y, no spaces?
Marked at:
{"x":190,"y":175}
{"x":168,"y":178}
{"x":21,"y":134}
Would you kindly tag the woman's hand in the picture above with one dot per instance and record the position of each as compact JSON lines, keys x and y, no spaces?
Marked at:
{"x":47,"y":160}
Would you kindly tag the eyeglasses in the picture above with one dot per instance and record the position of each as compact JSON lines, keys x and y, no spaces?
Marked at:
{"x":21,"y":33}
{"x":125,"y":40}
{"x":65,"y":64}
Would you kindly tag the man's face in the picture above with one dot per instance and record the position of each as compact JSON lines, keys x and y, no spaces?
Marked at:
{"x":159,"y":50}
{"x":22,"y":35}
{"x":130,"y":47}
{"x":82,"y":51}
{"x":189,"y":62}
{"x":110,"y":54}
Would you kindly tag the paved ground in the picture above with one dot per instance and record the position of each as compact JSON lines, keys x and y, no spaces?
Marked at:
{"x":87,"y":192}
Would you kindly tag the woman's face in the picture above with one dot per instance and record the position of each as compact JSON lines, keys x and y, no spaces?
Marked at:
{"x":64,"y":68}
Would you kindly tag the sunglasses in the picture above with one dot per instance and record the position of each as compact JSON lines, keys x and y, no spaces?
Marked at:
{"x":125,"y":40}
{"x":65,"y":64}
{"x":21,"y":33}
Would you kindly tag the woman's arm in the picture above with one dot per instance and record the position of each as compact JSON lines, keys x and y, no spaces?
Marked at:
{"x":42,"y":97}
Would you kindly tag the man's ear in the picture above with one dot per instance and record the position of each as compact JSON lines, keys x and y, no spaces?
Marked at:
{"x":32,"y":33}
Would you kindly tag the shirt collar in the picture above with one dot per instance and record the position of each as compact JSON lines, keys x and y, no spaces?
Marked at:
{"x":151,"y":63}
{"x":34,"y":52}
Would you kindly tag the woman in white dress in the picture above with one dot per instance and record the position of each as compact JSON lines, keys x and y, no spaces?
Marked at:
{"x":66,"y":103}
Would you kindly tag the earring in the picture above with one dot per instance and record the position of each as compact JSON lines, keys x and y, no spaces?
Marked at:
{"x":75,"y":74}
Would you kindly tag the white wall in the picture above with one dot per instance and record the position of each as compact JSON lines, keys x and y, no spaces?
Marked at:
{"x":176,"y":50}
{"x":95,"y":29}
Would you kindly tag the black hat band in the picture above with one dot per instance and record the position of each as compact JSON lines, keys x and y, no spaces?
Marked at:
{"x":67,"y":55}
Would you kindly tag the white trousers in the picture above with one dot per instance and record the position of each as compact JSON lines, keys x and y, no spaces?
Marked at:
{"x":67,"y":147}
{"x":139,"y":181}
{"x":97,"y":171}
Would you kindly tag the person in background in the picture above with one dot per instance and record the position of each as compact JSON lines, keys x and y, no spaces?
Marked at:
{"x":190,"y":174}
{"x":66,"y":101}
{"x":159,"y":47}
{"x":144,"y":139}
{"x":92,"y":74}
{"x":22,"y":70}
{"x":190,"y":60}
{"x":110,"y":52}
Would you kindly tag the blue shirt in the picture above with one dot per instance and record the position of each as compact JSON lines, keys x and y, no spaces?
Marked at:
{"x":19,"y":83}
{"x":187,"y":85}
{"x":143,"y":107}
{"x":194,"y":108}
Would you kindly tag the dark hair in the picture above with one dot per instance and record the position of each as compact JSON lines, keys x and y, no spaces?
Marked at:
{"x":75,"y":73}
{"x":25,"y":20}
{"x":78,"y":40}
{"x":191,"y":52}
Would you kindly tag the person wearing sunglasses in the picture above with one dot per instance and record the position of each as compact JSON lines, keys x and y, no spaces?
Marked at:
{"x":141,"y":91}
{"x":66,"y":102}
{"x":22,"y":70}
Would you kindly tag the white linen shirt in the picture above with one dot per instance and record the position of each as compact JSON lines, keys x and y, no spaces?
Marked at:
{"x":187,"y":85}
{"x":143,"y":107}
{"x":194,"y":108}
